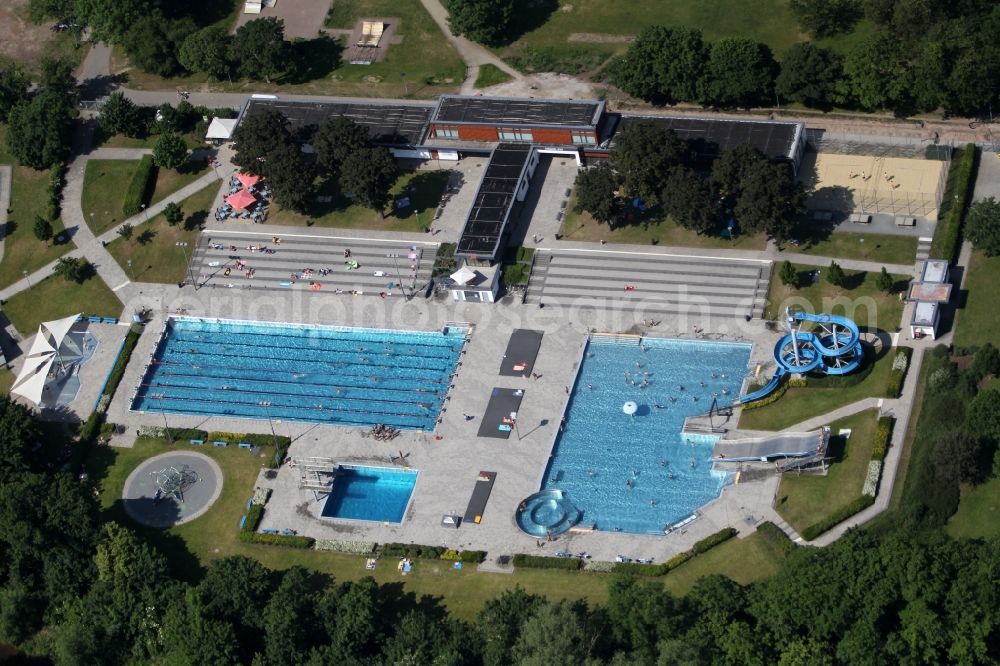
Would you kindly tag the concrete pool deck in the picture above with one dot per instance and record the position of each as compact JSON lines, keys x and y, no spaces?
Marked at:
{"x":449,"y":467}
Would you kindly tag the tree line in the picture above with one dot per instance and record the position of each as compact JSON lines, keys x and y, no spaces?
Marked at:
{"x":76,"y":589}
{"x":345,"y":158}
{"x":924,"y":55}
{"x":651,"y":163}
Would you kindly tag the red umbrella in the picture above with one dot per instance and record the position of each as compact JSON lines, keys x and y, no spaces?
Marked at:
{"x":248,"y":179}
{"x":241,"y":200}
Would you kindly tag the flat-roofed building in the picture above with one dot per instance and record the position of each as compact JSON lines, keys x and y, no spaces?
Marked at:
{"x":929,"y":294}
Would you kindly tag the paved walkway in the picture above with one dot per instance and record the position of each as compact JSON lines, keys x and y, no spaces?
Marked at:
{"x":6,"y":174}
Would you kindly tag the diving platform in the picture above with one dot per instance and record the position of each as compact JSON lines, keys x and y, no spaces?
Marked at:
{"x":768,"y":447}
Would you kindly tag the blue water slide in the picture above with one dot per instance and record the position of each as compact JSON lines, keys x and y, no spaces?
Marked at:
{"x":847,"y":336}
{"x":843,"y":367}
{"x":766,"y":389}
{"x":807,"y":361}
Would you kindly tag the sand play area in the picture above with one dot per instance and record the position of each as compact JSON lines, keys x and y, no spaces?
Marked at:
{"x":874,"y":185}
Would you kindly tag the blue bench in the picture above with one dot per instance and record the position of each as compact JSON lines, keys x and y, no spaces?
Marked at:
{"x":197,"y":442}
{"x":110,"y":320}
{"x":94,"y":320}
{"x":220,"y":443}
{"x":243,"y":521}
{"x":245,"y":445}
{"x":269,"y":530}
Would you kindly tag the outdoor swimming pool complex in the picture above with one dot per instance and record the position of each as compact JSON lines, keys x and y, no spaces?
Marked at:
{"x":320,"y":374}
{"x":638,"y":473}
{"x":370,"y":493}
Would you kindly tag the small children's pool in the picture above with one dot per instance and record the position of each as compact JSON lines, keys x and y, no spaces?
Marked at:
{"x":370,"y":493}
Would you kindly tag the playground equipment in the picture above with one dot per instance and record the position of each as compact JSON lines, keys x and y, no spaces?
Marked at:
{"x":832,"y":347}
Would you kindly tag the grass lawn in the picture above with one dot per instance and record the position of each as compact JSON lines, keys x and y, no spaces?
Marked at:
{"x":805,"y":499}
{"x":152,"y":248}
{"x":859,"y":300}
{"x":104,"y":185}
{"x":169,"y":181}
{"x":583,"y":227}
{"x":979,"y":320}
{"x":883,"y":248}
{"x":28,"y":199}
{"x":215,"y":535}
{"x":54,"y":297}
{"x":421,"y":65}
{"x":102,"y":140}
{"x":423,"y":188}
{"x":978,"y":515}
{"x":491,"y":75}
{"x":800,"y":404}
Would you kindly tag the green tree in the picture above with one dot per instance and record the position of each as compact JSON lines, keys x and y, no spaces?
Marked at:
{"x":291,"y":176}
{"x":877,"y":73}
{"x":644,"y":155}
{"x":556,"y":633}
{"x":13,"y":87}
{"x":595,"y":192}
{"x":809,"y":75}
{"x":119,"y":115}
{"x":971,"y":85}
{"x":109,"y":20}
{"x":260,"y":49}
{"x":39,"y":132}
{"x":57,"y":76}
{"x":173,"y":213}
{"x":170,"y":152}
{"x":256,"y":136}
{"x":289,"y":620}
{"x":788,"y":275}
{"x":983,"y":226}
{"x":208,"y":51}
{"x":729,"y":171}
{"x":126,"y":231}
{"x":39,"y":10}
{"x":687,"y":197}
{"x":357,"y":629}
{"x":42,"y":228}
{"x":152,"y":43}
{"x":335,"y":140}
{"x":884,"y":281}
{"x":484,"y":21}
{"x":70,"y":269}
{"x":835,"y":274}
{"x":982,"y":419}
{"x":739,"y":72}
{"x":369,"y":174}
{"x":825,"y":18}
{"x":663,"y":64}
{"x":770,"y":200}
{"x":499,"y":624}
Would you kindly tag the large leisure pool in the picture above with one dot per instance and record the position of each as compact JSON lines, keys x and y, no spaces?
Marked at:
{"x":321,"y":374}
{"x":638,"y":473}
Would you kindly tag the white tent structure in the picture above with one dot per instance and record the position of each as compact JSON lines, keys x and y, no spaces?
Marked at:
{"x":463,"y":275}
{"x":52,"y":345}
{"x":221,"y":128}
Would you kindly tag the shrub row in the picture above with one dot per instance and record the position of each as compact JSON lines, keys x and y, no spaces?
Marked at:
{"x":948,"y":236}
{"x":859,"y":504}
{"x":636,"y":569}
{"x":775,"y":536}
{"x":894,"y":385}
{"x":140,"y":187}
{"x":115,"y":378}
{"x":254,"y":515}
{"x":767,"y":400}
{"x":289,"y":541}
{"x":713,"y":540}
{"x":413,"y":550}
{"x":883,"y":431}
{"x":187,"y":434}
{"x":57,"y":180}
{"x":539,"y":562}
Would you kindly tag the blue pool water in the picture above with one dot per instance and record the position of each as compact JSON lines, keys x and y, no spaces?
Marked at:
{"x":370,"y":493}
{"x":343,"y":376}
{"x":610,"y":465}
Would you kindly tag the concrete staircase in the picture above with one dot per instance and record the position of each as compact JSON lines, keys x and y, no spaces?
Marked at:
{"x":295,"y":254}
{"x":664,"y":284}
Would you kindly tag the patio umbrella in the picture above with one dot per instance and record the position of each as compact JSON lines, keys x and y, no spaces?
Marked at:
{"x":630,"y":408}
{"x":241,"y":200}
{"x":248,"y":179}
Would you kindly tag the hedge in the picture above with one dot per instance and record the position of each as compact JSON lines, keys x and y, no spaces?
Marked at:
{"x":713,"y":540}
{"x":948,"y":235}
{"x":537,"y":562}
{"x":882,"y":433}
{"x":767,"y":400}
{"x":289,"y":541}
{"x":857,"y":505}
{"x":140,"y":187}
{"x":640,"y":569}
{"x":57,"y":180}
{"x":775,"y":536}
{"x":413,"y":550}
{"x":254,"y":515}
{"x":187,"y":434}
{"x":894,"y":385}
{"x":678,"y":559}
{"x":131,"y":339}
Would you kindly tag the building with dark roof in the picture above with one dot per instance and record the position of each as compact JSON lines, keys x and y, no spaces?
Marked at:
{"x":517,"y":119}
{"x":710,"y":137}
{"x":391,"y":125}
{"x":504,"y":184}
